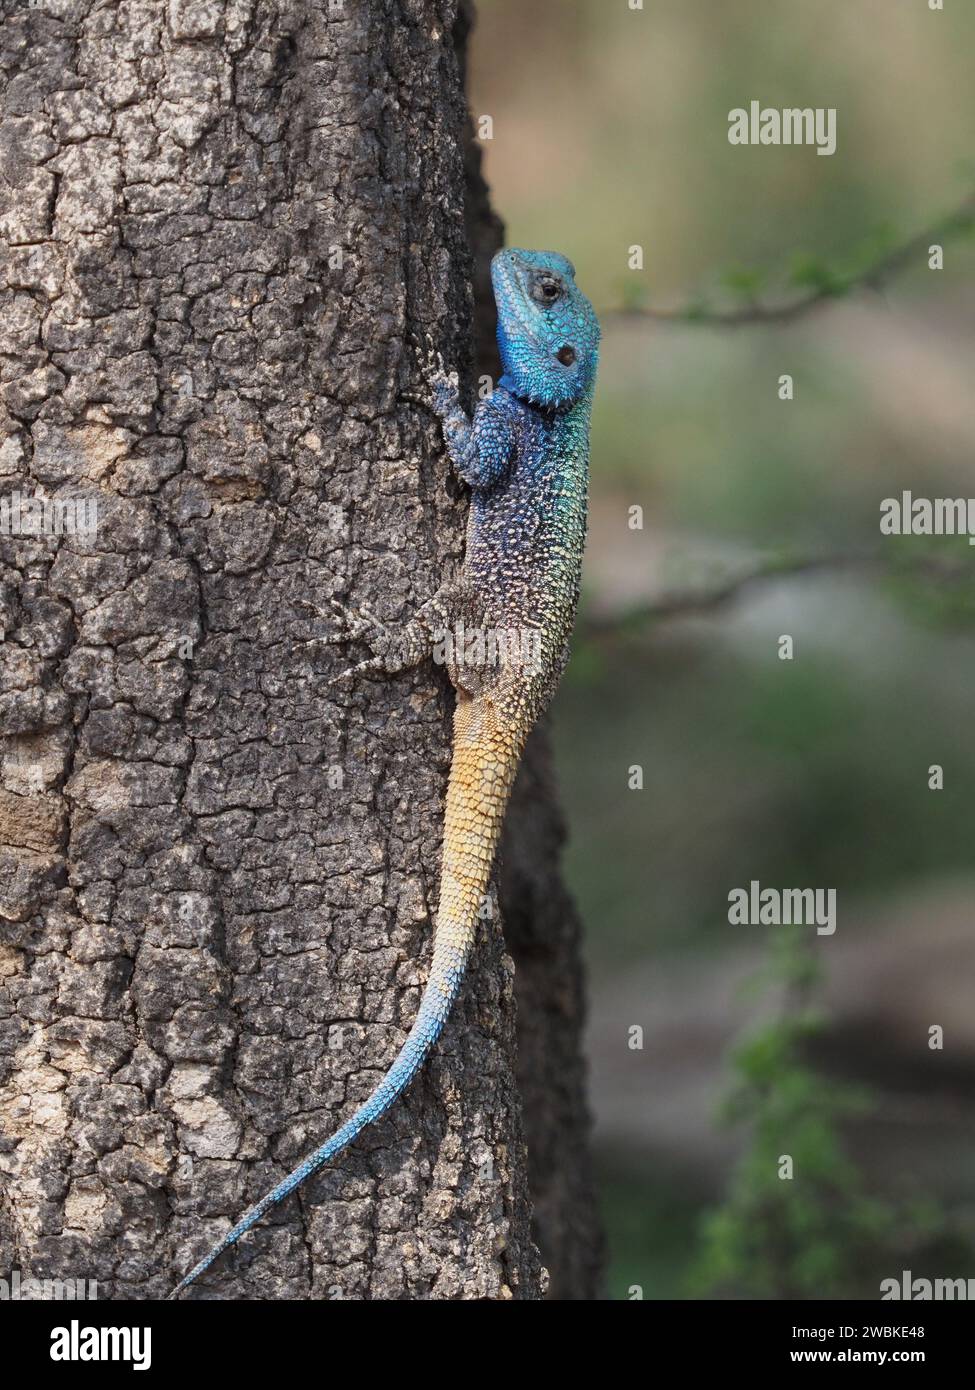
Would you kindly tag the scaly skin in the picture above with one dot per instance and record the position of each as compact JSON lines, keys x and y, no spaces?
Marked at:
{"x":525,"y":456}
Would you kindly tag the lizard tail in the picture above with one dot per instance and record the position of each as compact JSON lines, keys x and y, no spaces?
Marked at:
{"x":485,"y":759}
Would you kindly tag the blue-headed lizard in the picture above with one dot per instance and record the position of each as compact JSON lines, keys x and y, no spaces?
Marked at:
{"x":525,"y":456}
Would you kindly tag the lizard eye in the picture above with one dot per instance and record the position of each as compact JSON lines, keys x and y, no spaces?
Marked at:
{"x":566,"y":355}
{"x":546,"y":289}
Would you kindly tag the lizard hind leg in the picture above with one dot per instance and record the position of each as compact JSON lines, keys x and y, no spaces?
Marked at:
{"x":394,"y":649}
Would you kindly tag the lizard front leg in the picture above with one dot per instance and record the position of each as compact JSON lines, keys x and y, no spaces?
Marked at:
{"x":481,"y":449}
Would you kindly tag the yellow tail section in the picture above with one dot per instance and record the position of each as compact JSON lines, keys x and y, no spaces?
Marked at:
{"x":486,"y":753}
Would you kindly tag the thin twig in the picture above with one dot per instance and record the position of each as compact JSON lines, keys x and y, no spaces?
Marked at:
{"x":872,"y":277}
{"x":683,"y":603}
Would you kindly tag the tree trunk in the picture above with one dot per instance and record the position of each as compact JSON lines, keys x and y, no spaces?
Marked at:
{"x":217,"y":873}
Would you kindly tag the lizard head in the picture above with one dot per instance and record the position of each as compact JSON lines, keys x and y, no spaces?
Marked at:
{"x":548,"y":334}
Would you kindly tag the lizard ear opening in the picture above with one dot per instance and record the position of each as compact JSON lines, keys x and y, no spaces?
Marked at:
{"x":566,"y":355}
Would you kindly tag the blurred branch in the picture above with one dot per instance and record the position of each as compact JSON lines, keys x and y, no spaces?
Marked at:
{"x":822,"y":283}
{"x":942,"y":569}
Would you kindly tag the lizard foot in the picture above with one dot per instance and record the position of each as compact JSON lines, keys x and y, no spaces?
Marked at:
{"x":443,"y":386}
{"x":394,"y":649}
{"x":356,"y":624}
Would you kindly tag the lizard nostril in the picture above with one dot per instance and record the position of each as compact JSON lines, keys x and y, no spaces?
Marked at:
{"x":566,"y":355}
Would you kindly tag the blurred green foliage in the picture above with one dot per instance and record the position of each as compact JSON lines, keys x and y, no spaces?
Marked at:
{"x":812,"y":1229}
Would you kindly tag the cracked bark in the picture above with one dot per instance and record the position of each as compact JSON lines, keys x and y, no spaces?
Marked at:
{"x":222,"y":220}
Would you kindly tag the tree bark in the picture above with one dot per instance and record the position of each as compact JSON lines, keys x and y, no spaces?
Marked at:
{"x":217,"y":874}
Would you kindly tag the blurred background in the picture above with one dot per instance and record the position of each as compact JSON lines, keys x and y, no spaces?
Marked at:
{"x":610,"y":130}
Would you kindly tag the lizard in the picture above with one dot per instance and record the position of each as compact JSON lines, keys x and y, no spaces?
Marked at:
{"x":525,"y":457}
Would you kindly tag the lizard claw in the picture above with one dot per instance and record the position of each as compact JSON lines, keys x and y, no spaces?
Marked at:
{"x":355,"y":624}
{"x":439,"y":384}
{"x":432,"y":366}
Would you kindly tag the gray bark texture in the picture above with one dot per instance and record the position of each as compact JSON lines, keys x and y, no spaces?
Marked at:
{"x":222,"y":220}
